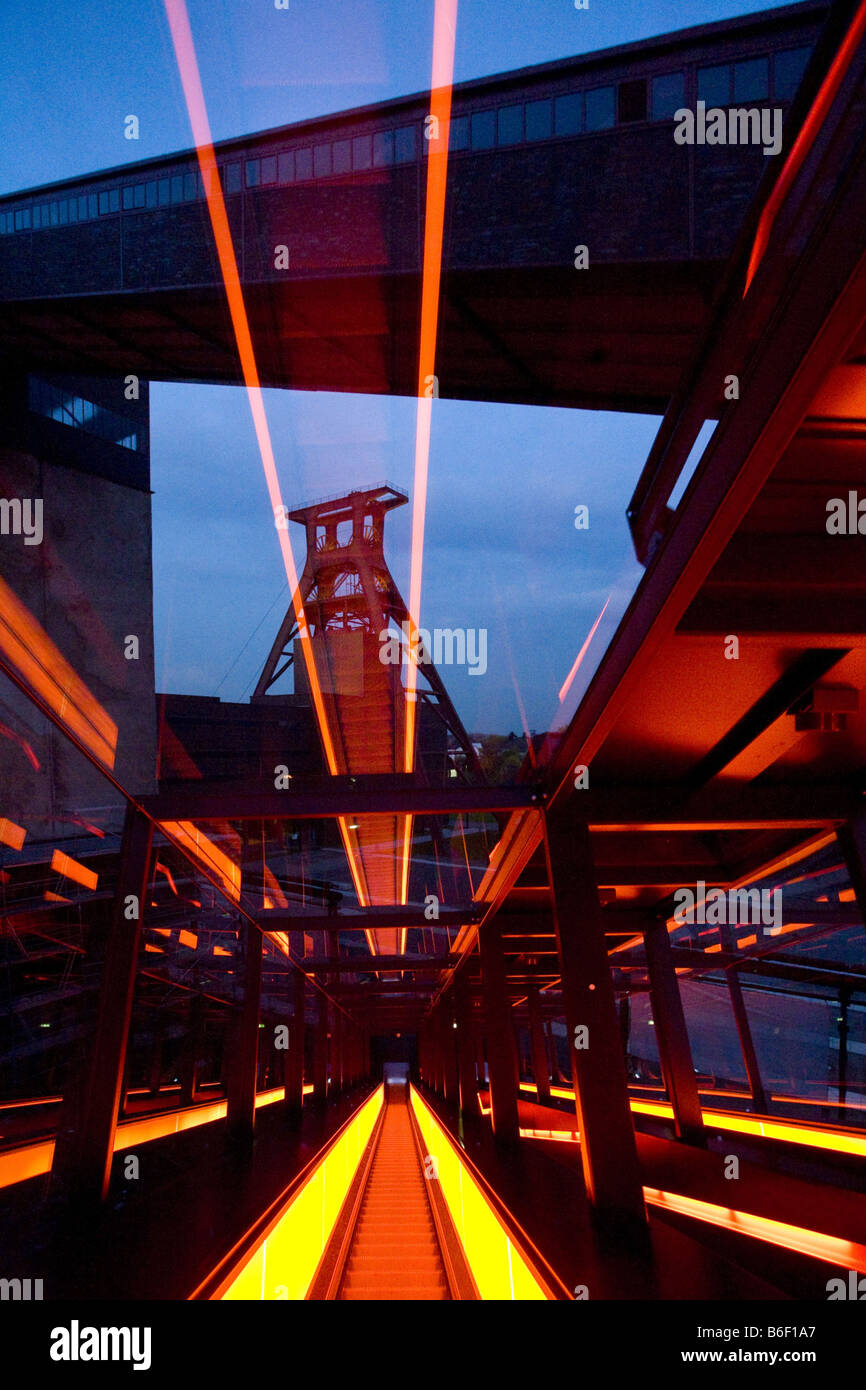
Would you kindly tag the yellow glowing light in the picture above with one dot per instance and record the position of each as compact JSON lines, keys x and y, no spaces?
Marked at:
{"x":498,"y":1266}
{"x":70,"y":868}
{"x":284,"y":1260}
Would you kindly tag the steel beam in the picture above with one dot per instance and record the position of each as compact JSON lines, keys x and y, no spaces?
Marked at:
{"x":241,"y":1089}
{"x":607,"y":1142}
{"x":396,"y":794}
{"x":672,"y":1035}
{"x":85,"y":1140}
{"x":501,"y":1053}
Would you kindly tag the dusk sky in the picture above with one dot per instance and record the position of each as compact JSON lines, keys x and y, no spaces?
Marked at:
{"x":502,"y":552}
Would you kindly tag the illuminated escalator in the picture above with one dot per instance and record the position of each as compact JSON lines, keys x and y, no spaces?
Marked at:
{"x":395,"y":1251}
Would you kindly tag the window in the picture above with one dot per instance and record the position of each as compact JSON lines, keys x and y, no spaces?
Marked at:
{"x":362,"y":152}
{"x":82,"y":209}
{"x":269,"y":169}
{"x":113,"y":200}
{"x":342,"y":156}
{"x":303,"y":164}
{"x":600,"y":108}
{"x":510,"y":125}
{"x":232,"y":178}
{"x":458,"y":135}
{"x":139,"y":191}
{"x":78,"y":413}
{"x":190,"y":187}
{"x":714,"y":85}
{"x":128,"y":194}
{"x":404,"y":144}
{"x":568,"y":114}
{"x":151,"y":194}
{"x":322,"y":161}
{"x":103,"y":204}
{"x":286,"y":166}
{"x":177,"y":188}
{"x":752,"y":80}
{"x":538,"y":119}
{"x":788,"y":69}
{"x":668,"y":95}
{"x":483,"y":130}
{"x":22,"y":220}
{"x":631,"y":101}
{"x":383,"y":148}
{"x":253,"y":173}
{"x":73,"y":209}
{"x":164,"y":190}
{"x":63,"y":211}
{"x":53,"y":214}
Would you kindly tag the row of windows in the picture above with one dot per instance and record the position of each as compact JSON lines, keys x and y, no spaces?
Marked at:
{"x":54,"y":404}
{"x":599,"y":108}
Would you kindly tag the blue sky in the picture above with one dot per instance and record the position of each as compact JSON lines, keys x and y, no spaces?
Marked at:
{"x":502,"y":552}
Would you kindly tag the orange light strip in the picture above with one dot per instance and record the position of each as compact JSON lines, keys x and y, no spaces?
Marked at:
{"x":28,"y":649}
{"x":187,"y":63}
{"x":70,"y":868}
{"x":789,"y":1132}
{"x":800,"y":148}
{"x":832,"y":1249}
{"x":444,"y":35}
{"x":502,"y":1268}
{"x":202,"y":848}
{"x":284,"y":1259}
{"x":31,"y":1160}
{"x":11,"y":834}
{"x":566,"y":686}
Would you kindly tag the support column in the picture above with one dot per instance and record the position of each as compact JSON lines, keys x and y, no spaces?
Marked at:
{"x":294,"y":1059}
{"x":744,"y":1031}
{"x":672,"y":1035}
{"x":501,"y":1052}
{"x":320,"y":1053}
{"x":449,"y":1042}
{"x":607,"y":1143}
{"x":537,"y":1045}
{"x":466,"y":1045}
{"x":191,"y":1049}
{"x":85,"y":1139}
{"x":241,"y":1094}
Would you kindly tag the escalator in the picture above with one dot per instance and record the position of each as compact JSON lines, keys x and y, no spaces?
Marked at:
{"x":394,"y":1239}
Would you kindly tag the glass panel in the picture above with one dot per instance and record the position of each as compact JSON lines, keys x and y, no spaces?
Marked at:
{"x":139,"y":192}
{"x":668,"y":95}
{"x":151,"y":194}
{"x":362,"y":151}
{"x":752,"y":80}
{"x":788,"y":69}
{"x":404,"y":144}
{"x":232,"y":178}
{"x":568,"y":118}
{"x":714,"y":85}
{"x":600,"y":108}
{"x":113,"y":200}
{"x":253,"y":173}
{"x":128,"y":197}
{"x":342,"y":157}
{"x":287,"y":166}
{"x":63,"y":212}
{"x":322,"y":161}
{"x":103,"y":204}
{"x":383,"y":148}
{"x":54,"y":214}
{"x":164,"y":187}
{"x":538,"y":120}
{"x":483,"y":130}
{"x":82,"y":209}
{"x":510,"y":131}
{"x":269,"y":169}
{"x":631,"y":101}
{"x":303,"y":164}
{"x":190,"y":187}
{"x":92,"y":205}
{"x":458,"y":136}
